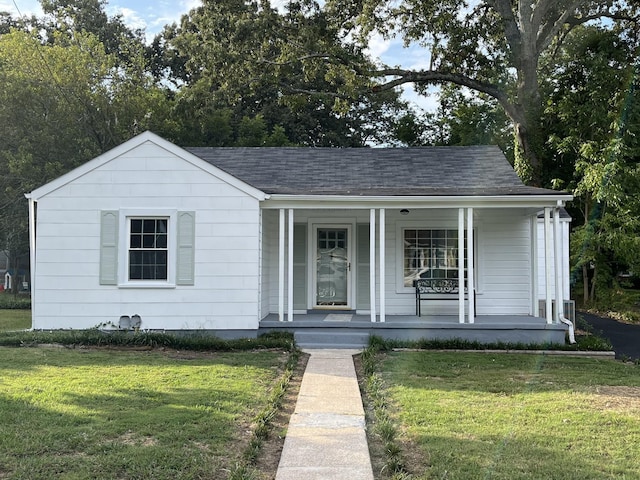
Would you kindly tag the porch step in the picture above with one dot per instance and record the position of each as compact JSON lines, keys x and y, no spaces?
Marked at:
{"x":336,"y":339}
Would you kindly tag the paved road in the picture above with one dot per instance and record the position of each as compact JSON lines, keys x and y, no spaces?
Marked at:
{"x":624,"y":338}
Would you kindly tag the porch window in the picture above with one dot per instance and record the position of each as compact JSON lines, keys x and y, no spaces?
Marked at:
{"x":148,"y":248}
{"x":430,"y":253}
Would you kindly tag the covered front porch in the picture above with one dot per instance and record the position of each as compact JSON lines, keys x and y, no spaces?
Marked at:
{"x":490,"y":251}
{"x":347,"y":329}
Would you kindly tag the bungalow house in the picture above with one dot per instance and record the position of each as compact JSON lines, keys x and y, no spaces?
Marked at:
{"x":329,"y":243}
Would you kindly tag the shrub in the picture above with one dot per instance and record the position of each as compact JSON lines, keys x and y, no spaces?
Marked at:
{"x":9,"y":301}
{"x":145,"y":339}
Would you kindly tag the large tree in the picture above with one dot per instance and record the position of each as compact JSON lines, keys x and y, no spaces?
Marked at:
{"x":491,"y":46}
{"x":234,"y":60}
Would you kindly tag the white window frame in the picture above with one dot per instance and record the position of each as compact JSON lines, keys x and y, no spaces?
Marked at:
{"x":124,"y":238}
{"x":426,"y":225}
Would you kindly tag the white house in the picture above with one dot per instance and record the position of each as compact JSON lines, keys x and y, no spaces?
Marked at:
{"x":236,"y":241}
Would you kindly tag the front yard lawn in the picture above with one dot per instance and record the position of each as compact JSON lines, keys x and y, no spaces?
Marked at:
{"x":121,"y":414}
{"x":482,"y":416}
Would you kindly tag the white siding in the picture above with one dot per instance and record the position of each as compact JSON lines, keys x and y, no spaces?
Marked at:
{"x":225,"y":291}
{"x":504,"y":275}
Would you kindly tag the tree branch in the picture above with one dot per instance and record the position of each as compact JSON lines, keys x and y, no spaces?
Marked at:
{"x":299,"y":59}
{"x":511,"y":30}
{"x":435,"y":77}
{"x":549,"y":30}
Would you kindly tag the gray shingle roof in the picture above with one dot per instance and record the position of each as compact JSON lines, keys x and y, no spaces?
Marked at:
{"x":477,"y":170}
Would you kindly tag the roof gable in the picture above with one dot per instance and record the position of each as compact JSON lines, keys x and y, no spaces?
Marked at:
{"x":137,"y":141}
{"x":421,"y":171}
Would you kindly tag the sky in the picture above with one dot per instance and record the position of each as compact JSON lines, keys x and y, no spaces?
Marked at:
{"x":152,"y":15}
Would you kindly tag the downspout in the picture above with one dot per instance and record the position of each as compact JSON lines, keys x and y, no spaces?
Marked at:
{"x":559,"y":275}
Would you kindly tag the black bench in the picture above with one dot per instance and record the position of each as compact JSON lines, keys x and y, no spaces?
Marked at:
{"x":427,"y":287}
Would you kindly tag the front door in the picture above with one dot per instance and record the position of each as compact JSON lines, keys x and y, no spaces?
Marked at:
{"x":332,"y":267}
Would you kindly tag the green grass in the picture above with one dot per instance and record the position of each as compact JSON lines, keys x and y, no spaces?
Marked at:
{"x":14,"y":319}
{"x":77,"y":414}
{"x":479,"y":416}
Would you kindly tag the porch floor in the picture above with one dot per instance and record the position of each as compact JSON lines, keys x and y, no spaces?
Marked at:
{"x":344,"y":328}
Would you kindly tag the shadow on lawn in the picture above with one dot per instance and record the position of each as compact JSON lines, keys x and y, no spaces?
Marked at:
{"x":41,"y":444}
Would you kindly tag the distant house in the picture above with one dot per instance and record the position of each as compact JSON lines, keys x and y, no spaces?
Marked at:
{"x":236,"y":241}
{"x":4,"y":267}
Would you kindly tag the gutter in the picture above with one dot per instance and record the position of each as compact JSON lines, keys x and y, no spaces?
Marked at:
{"x":449,"y":201}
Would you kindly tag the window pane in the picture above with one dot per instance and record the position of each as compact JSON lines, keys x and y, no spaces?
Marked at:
{"x":136,"y":241}
{"x":161,"y":241}
{"x":135,"y":272}
{"x":136,"y":226}
{"x":148,"y":241}
{"x":149,"y":226}
{"x":430,"y":254}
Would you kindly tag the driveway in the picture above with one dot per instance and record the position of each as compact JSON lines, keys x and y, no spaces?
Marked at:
{"x":625,"y":338}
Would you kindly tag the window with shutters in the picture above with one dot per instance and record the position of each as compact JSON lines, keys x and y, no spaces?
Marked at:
{"x":147,"y":248}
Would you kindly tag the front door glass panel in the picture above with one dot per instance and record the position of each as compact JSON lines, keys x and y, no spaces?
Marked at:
{"x":332,"y":267}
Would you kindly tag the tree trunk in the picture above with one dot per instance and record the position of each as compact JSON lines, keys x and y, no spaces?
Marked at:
{"x":528,"y":126}
{"x":592,"y":294}
{"x":585,"y":284}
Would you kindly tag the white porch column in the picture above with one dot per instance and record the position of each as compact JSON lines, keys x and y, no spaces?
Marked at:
{"x":461,"y":265}
{"x":281,"y":266}
{"x":557,"y":257}
{"x":547,"y":265}
{"x":372,"y":263}
{"x":382,"y":222}
{"x":290,"y":268}
{"x":470,"y":274}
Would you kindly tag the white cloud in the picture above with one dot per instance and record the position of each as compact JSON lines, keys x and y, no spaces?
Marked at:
{"x":130,"y":17}
{"x":378,"y":46}
{"x":25,"y":8}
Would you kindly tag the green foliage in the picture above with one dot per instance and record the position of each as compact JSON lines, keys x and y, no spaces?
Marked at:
{"x":80,"y":338}
{"x":592,"y":114}
{"x":384,"y":427}
{"x":281,"y":78}
{"x":63,"y":100}
{"x":378,"y":344}
{"x":9,"y":301}
{"x":491,"y":47}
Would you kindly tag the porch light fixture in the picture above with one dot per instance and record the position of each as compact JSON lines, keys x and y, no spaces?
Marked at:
{"x":404,"y":211}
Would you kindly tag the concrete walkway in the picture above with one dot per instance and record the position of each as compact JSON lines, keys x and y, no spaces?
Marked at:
{"x":326,"y":437}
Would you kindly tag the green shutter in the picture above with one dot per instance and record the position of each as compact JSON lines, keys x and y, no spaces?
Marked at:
{"x":108,"y":248}
{"x":185,"y":271}
{"x":300,"y":266}
{"x":363,"y":296}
